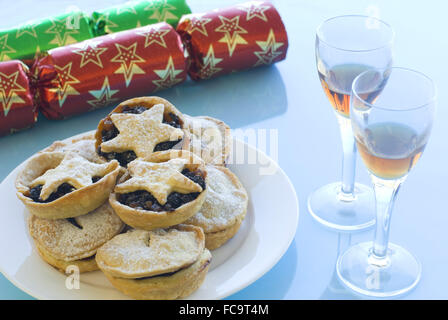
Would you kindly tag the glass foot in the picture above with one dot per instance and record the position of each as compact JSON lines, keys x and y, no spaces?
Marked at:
{"x":394,"y":276}
{"x":343,"y":214}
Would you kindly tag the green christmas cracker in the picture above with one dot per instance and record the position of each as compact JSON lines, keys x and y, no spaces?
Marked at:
{"x":26,"y":41}
{"x":135,"y":14}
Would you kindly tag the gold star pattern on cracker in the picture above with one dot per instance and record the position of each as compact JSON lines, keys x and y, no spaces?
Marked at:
{"x":128,"y":59}
{"x":161,"y":10}
{"x":209,"y":67}
{"x":168,"y":76}
{"x":232,"y":31}
{"x":197,"y":23}
{"x":27,"y":28}
{"x":74,"y":170}
{"x":254,"y":9}
{"x":64,"y":83}
{"x":8,"y":91}
{"x":4,"y":48}
{"x":103,"y":96}
{"x":62,"y":29}
{"x":159,"y":179}
{"x":154,"y":35}
{"x":141,"y":132}
{"x":89,"y":52}
{"x":269,"y":47}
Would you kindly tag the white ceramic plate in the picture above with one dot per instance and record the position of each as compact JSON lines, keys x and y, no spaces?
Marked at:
{"x":265,"y":235}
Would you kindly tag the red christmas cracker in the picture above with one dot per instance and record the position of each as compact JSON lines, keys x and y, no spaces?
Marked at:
{"x":235,"y":38}
{"x":16,"y":99}
{"x":108,"y":69}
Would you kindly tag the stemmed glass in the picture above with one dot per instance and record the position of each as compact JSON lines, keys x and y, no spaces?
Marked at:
{"x":345,"y":47}
{"x":392,"y":112}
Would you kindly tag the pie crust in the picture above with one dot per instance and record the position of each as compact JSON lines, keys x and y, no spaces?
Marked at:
{"x":224,"y":208}
{"x":179,"y":285}
{"x":140,"y":146}
{"x":84,"y":145}
{"x":62,"y":243}
{"x":83,"y":265}
{"x":160,"y":264}
{"x":73,"y":204}
{"x":148,"y":220}
{"x":210,"y":139}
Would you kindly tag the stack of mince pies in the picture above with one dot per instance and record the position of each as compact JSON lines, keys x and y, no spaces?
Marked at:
{"x":144,"y":199}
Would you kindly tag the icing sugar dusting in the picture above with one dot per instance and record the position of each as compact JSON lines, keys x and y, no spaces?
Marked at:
{"x":67,"y":242}
{"x":226,"y":200}
{"x":208,"y":139}
{"x":144,"y":253}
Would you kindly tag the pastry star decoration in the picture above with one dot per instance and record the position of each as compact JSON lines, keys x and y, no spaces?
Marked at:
{"x":269,"y":47}
{"x":74,"y":170}
{"x":232,"y":31}
{"x":159,"y":179}
{"x":141,"y":132}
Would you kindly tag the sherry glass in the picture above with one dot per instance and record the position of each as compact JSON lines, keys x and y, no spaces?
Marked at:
{"x":391,"y":131}
{"x":345,"y":47}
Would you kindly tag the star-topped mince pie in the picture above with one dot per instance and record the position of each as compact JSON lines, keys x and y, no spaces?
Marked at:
{"x":160,"y":264}
{"x":57,"y":185}
{"x":138,"y":127}
{"x":161,"y":190}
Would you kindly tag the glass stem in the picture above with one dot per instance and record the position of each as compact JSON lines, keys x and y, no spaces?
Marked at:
{"x":385,"y":194}
{"x":348,"y":159}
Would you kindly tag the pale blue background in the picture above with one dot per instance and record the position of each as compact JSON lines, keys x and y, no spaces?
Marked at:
{"x":288,"y":97}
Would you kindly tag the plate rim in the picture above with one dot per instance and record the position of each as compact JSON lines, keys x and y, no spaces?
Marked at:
{"x":243,"y":284}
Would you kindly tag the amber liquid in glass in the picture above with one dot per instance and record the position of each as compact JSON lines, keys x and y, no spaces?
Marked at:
{"x":337,"y":84}
{"x":389,"y":150}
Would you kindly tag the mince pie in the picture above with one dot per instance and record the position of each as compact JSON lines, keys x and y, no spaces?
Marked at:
{"x":84,"y":145}
{"x":160,"y":264}
{"x":57,"y":185}
{"x":224,"y":207}
{"x":74,"y":241}
{"x":138,"y":127}
{"x":209,"y":138}
{"x":162,"y":190}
